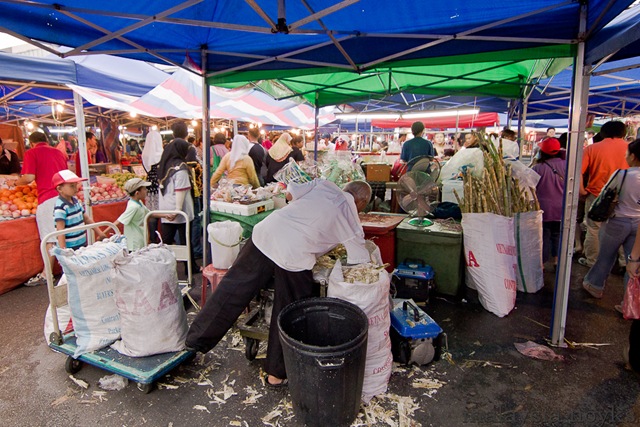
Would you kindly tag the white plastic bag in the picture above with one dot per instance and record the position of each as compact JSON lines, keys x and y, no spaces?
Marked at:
{"x":528,"y":236}
{"x":225,"y":237}
{"x":91,"y":292}
{"x":491,"y":256}
{"x":526,"y":177}
{"x":469,"y":159}
{"x":152,"y":315}
{"x":373,"y":299}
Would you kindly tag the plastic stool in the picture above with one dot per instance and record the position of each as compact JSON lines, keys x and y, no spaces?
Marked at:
{"x":210,"y":276}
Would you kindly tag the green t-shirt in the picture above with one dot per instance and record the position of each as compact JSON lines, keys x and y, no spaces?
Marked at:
{"x":133,"y":220}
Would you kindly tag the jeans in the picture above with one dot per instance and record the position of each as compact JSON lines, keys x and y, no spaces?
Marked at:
{"x":550,"y":239}
{"x":615,"y":232}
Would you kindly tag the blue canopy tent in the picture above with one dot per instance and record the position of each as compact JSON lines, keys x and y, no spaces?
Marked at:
{"x":236,"y":42}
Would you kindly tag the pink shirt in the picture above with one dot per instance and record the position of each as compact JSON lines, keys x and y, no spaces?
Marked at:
{"x":43,"y":162}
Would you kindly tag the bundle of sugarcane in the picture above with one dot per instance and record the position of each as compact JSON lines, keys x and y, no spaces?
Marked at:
{"x":497,"y":191}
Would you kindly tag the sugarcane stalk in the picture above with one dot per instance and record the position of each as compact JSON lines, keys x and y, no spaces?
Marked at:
{"x":536,"y":202}
{"x":460,"y":202}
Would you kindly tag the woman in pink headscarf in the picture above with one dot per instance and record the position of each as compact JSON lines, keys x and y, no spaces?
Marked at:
{"x":237,"y":164}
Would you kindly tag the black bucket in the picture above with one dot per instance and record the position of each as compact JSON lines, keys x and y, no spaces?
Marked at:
{"x":324,"y":341}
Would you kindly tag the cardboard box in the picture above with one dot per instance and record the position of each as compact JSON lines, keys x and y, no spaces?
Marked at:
{"x":240,"y":209}
{"x":378,"y":172}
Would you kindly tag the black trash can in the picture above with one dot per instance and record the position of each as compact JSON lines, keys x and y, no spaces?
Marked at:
{"x":324,"y":341}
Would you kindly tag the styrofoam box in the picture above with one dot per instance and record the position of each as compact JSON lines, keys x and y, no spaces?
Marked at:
{"x":447,"y":190}
{"x":239,"y":209}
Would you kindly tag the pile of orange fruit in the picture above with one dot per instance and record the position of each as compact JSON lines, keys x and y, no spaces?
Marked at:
{"x":22,"y":199}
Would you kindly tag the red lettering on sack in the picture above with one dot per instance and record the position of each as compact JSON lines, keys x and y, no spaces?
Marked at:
{"x":472,"y":262}
{"x":141,"y":305}
{"x":167,"y":297}
{"x":506,"y":250}
{"x":510,"y":285}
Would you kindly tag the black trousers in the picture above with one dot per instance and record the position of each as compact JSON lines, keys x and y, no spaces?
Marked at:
{"x":251,"y":272}
{"x":634,"y":345}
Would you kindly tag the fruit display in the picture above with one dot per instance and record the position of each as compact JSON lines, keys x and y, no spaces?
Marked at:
{"x":17,"y":202}
{"x":103,"y":193}
{"x":121,"y":178}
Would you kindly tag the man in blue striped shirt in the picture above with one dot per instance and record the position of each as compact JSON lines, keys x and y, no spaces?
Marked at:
{"x":68,"y":211}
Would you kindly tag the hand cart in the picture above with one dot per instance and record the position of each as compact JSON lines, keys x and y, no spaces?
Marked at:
{"x":145,"y":371}
{"x":253,"y":325}
{"x":182,"y":252}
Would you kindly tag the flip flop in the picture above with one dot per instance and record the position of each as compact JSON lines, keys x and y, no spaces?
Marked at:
{"x":283,"y":384}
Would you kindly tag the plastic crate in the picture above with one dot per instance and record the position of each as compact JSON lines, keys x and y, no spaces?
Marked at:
{"x":242,"y":209}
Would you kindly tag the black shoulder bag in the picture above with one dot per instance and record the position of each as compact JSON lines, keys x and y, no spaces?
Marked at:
{"x":606,"y":202}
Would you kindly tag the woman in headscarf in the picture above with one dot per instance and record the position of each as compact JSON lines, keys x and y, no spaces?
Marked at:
{"x":151,"y":154}
{"x":279,"y":156}
{"x":237,"y":164}
{"x":175,"y":192}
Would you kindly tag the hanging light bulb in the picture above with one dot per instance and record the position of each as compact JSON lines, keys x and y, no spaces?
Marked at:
{"x":29,"y":125}
{"x":263,"y":132}
{"x":59,"y":108}
{"x":154,"y":127}
{"x":194,"y":123}
{"x":250,"y":125}
{"x":133,"y":114}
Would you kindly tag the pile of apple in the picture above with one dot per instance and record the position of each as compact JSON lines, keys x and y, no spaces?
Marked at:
{"x":18,"y":201}
{"x":101,"y":193}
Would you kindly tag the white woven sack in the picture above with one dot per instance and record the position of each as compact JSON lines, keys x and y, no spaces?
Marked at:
{"x":152,"y":315}
{"x":527,"y":228}
{"x":65,"y":324}
{"x":491,"y":256}
{"x":91,"y":293}
{"x":373,"y":299}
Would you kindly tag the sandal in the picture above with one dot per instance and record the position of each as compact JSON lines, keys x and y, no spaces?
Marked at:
{"x":284,"y":383}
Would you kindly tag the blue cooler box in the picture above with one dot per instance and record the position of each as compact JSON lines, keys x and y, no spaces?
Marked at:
{"x":415,"y":337}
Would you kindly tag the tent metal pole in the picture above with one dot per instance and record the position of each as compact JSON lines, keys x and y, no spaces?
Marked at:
{"x":82,"y":147}
{"x":235,"y":128}
{"x":523,"y":122}
{"x":206,"y":161}
{"x":317,"y":122}
{"x":578,"y":109}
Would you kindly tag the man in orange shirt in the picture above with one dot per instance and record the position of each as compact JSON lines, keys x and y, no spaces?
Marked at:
{"x":599,"y":162}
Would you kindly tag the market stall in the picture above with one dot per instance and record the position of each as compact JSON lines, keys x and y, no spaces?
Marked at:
{"x":20,"y":245}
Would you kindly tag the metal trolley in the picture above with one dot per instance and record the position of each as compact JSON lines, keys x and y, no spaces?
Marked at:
{"x":144,"y":371}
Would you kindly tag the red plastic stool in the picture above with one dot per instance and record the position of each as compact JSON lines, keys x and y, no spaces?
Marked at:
{"x":210,"y":276}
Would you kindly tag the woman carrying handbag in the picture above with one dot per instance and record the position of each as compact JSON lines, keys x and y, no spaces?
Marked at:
{"x":621,"y":228}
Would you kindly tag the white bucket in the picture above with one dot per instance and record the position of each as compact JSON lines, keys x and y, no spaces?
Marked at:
{"x":225,"y":237}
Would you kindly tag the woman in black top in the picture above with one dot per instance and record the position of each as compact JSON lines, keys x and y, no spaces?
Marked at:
{"x":279,"y":156}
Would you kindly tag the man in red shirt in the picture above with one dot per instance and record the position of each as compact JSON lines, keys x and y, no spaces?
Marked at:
{"x":599,"y":162}
{"x":92,"y":149}
{"x":41,"y":162}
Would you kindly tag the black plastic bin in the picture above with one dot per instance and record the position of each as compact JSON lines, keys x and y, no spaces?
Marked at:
{"x":324,"y":341}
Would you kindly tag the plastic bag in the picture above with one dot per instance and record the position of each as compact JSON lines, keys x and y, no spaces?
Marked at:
{"x":491,"y":257}
{"x":528,"y":235}
{"x":631,"y":303}
{"x":225,"y":237}
{"x":526,"y":177}
{"x":470,"y":159}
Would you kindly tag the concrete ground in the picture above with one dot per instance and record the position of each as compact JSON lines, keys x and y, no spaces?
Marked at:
{"x":487,"y":381}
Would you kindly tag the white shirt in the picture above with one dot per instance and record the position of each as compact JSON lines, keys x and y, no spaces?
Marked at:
{"x":319,"y":217}
{"x":167,"y":201}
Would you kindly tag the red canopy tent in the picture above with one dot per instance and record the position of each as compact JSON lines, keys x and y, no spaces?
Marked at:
{"x":463,"y":121}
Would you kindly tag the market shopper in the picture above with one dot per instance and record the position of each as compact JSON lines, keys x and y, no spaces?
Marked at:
{"x":283,"y":248}
{"x":151,"y":155}
{"x":92,"y":149}
{"x":550,"y":191}
{"x":416,"y":147}
{"x":258,"y":154}
{"x":175,"y":188}
{"x":279,"y":156}
{"x":237,"y":164}
{"x":9,"y":161}
{"x":41,"y":162}
{"x":599,"y":161}
{"x":621,"y":228}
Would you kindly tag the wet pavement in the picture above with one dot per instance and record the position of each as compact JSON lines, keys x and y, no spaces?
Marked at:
{"x":487,"y":382}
